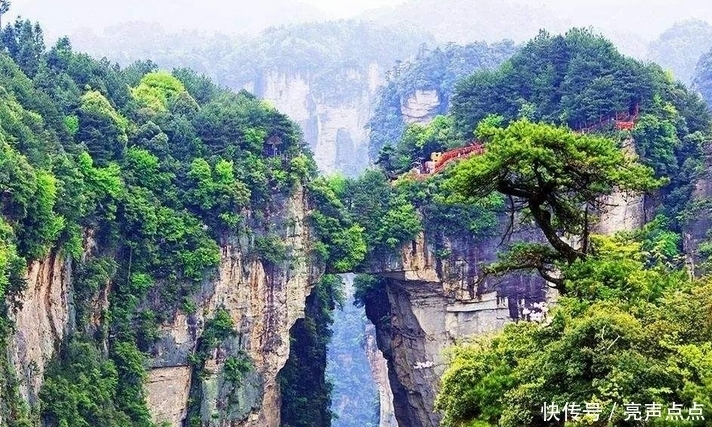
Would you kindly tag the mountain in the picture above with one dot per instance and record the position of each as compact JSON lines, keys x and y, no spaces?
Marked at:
{"x":680,"y":47}
{"x":464,"y":21}
{"x":324,"y":75}
{"x":418,"y":90}
{"x":631,"y":25}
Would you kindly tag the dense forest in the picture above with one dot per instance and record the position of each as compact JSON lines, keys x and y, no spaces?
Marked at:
{"x":157,"y":169}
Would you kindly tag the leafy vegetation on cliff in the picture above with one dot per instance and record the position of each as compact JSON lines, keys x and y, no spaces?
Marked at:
{"x":631,"y":326}
{"x":325,"y":53}
{"x":572,"y":79}
{"x":556,"y":177}
{"x":633,"y":330}
{"x":578,"y":79}
{"x":138,"y":176}
{"x":432,"y":70}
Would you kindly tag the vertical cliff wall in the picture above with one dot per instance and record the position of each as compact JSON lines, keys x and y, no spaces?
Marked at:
{"x":379,"y":372}
{"x":696,"y":230}
{"x":45,"y":317}
{"x":421,"y":106}
{"x":333,"y":120}
{"x":428,"y":303}
{"x":263,"y":301}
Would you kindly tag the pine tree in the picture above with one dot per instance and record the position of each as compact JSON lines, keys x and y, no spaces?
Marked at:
{"x":4,"y":8}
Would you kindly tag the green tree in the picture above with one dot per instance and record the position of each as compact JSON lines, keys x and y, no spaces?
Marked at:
{"x":556,"y":176}
{"x":101,"y":128}
{"x":630,"y":333}
{"x":24,"y":42}
{"x":4,"y":8}
{"x":342,"y":244}
{"x":158,"y":90}
{"x":435,"y":70}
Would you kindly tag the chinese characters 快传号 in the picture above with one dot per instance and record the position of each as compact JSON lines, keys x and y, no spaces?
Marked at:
{"x":572,"y":411}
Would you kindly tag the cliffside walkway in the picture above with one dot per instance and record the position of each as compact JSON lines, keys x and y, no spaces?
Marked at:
{"x":438,"y":161}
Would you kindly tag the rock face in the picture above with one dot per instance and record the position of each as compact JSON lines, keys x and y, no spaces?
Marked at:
{"x":334,"y":124}
{"x":695,"y":231}
{"x":263,"y":301}
{"x":42,"y":322}
{"x":379,"y":371}
{"x":428,"y":303}
{"x":167,"y":388}
{"x":45,"y":317}
{"x":624,"y":211}
{"x":421,"y":106}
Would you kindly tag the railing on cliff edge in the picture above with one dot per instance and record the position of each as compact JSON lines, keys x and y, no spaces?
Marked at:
{"x":438,"y":162}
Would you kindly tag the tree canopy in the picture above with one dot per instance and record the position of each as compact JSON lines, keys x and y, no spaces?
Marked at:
{"x":630,"y":334}
{"x":159,"y":169}
{"x":572,"y":79}
{"x":556,"y":176}
{"x":631,"y":325}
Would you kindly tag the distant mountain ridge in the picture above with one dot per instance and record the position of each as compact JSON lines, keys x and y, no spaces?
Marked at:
{"x":679,"y":48}
{"x":235,"y":17}
{"x":464,"y":21}
{"x":631,"y":25}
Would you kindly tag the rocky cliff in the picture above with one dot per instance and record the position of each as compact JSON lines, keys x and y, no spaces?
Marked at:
{"x":379,"y":371}
{"x":333,"y":121}
{"x":430,"y":302}
{"x":421,"y":106}
{"x":262,"y":300}
{"x":44,"y":319}
{"x":45,"y":316}
{"x":696,"y":230}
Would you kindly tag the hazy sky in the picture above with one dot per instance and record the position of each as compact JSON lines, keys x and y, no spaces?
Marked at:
{"x":645,"y":18}
{"x":349,"y":8}
{"x":64,"y":16}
